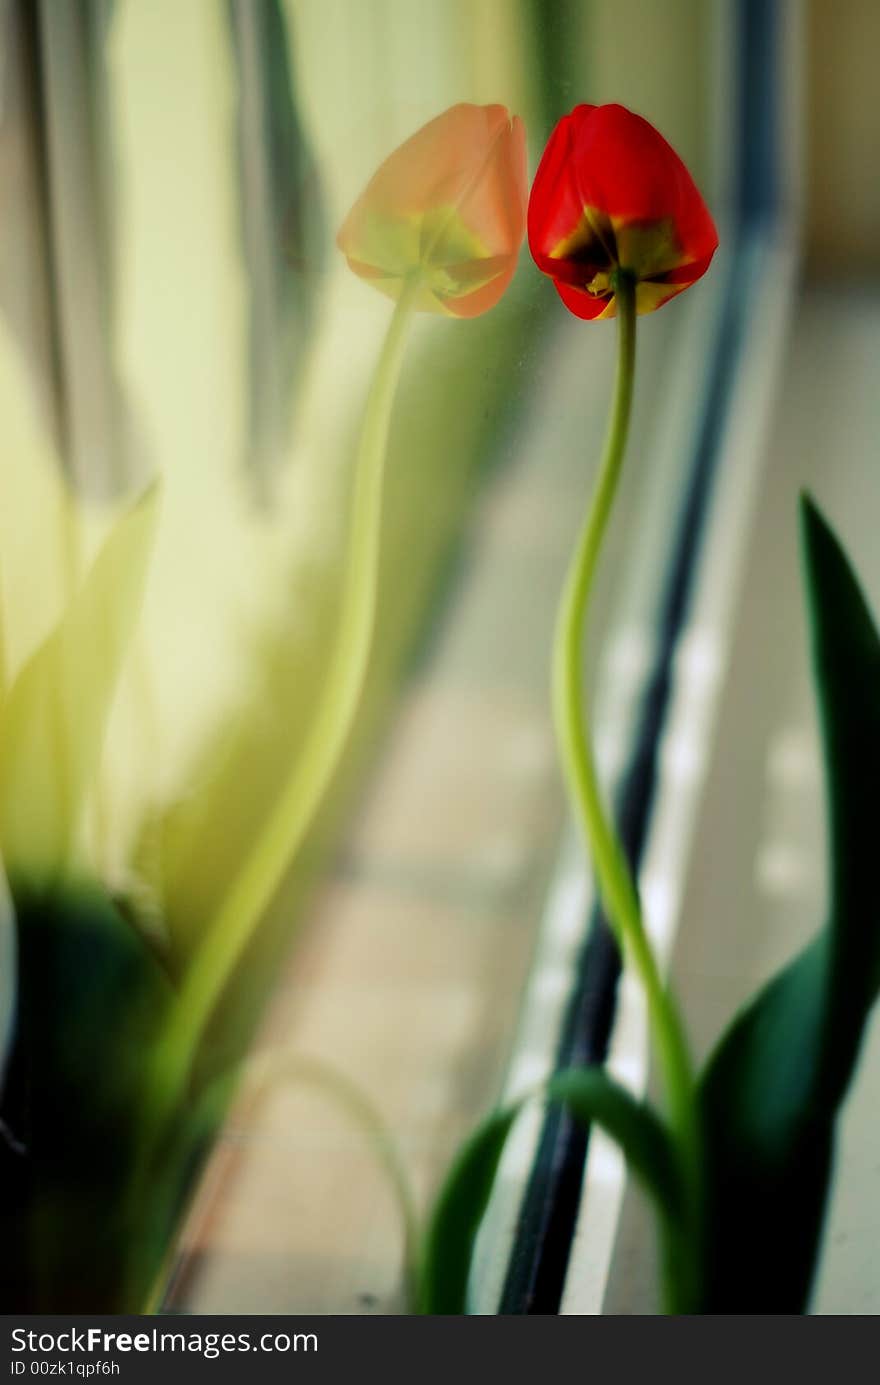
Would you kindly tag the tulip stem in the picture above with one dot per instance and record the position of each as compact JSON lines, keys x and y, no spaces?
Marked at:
{"x":616,"y":887}
{"x":230,"y":931}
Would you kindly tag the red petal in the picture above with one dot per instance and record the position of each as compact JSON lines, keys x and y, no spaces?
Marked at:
{"x":689,"y":273}
{"x":625,"y":167}
{"x":433,"y":167}
{"x":555,"y":206}
{"x":472,"y":304}
{"x":493,"y":205}
{"x":582,"y":304}
{"x":462,"y":176}
{"x":609,"y":186}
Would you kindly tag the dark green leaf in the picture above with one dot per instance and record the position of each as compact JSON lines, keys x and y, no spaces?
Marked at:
{"x":91,"y":998}
{"x":449,"y":1244}
{"x":771,"y":1092}
{"x":593,"y":1098}
{"x":846,"y":664}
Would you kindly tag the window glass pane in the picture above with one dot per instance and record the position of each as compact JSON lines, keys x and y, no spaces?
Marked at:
{"x":175,"y":309}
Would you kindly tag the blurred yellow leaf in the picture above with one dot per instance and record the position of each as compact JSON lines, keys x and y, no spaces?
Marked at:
{"x":8,"y":974}
{"x":56,"y":713}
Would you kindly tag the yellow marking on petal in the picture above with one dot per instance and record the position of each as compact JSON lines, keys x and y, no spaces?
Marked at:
{"x":650,"y":295}
{"x":446,"y":239}
{"x":450,"y":258}
{"x":593,"y":230}
{"x":647,"y":248}
{"x":603,"y":230}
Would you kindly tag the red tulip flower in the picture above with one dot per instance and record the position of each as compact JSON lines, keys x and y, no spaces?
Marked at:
{"x":448,"y":207}
{"x":611,"y":195}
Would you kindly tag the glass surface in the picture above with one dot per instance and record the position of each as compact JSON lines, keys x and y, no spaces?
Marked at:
{"x":174,"y":307}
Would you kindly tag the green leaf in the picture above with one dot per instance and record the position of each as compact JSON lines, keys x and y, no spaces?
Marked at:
{"x":457,"y":1214}
{"x":771,"y":1092}
{"x":846,"y":665}
{"x":56,"y":713}
{"x":590,"y":1097}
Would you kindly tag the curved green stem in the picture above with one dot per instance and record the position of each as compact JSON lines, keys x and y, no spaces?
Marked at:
{"x":270,"y":1069}
{"x":260,"y":1077}
{"x":230,"y":931}
{"x":616,"y":887}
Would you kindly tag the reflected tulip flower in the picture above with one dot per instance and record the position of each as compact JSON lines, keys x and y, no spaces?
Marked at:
{"x":448,"y":206}
{"x":611,"y":195}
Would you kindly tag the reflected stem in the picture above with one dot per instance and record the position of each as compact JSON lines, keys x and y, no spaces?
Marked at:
{"x":230,"y":931}
{"x":616,"y":886}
